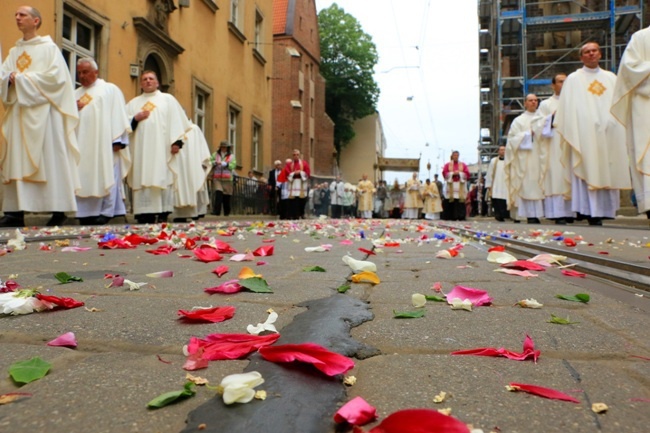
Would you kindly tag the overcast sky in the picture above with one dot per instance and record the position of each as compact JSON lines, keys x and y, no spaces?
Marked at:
{"x":427,"y":73}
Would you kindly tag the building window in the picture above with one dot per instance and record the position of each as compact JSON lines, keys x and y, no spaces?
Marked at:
{"x":235,"y":11}
{"x":79,"y":39}
{"x":259,"y":31}
{"x":233,"y":131}
{"x":202,"y":108}
{"x":256,"y":147}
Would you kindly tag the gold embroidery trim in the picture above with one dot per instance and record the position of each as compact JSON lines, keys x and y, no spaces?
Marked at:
{"x":85,"y":99}
{"x":149,"y":106}
{"x":597,"y":88}
{"x":23,"y":62}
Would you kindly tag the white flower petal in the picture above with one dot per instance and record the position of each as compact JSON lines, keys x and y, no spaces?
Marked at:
{"x":418,"y":300}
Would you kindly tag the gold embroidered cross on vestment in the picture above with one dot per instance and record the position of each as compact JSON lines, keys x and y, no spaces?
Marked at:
{"x":23,"y":61}
{"x":85,"y":99}
{"x":149,"y":106}
{"x":597,"y":88}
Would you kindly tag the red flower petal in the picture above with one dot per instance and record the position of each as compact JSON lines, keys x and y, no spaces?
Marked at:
{"x":330,"y":363}
{"x":544,"y":392}
{"x":230,"y":286}
{"x":499,"y":248}
{"x":229,"y":346}
{"x":196,"y":361}
{"x":572,"y":273}
{"x":263,"y":251}
{"x":162,"y":250}
{"x":61,"y":302}
{"x":528,"y":352}
{"x":420,"y":421}
{"x":222,"y":247}
{"x":569,"y":242}
{"x":207,"y":255}
{"x":136,"y":240}
{"x":392,"y":244}
{"x":524,"y":265}
{"x":220,"y":270}
{"x":212,"y":315}
{"x":115,"y":244}
{"x":356,"y":412}
{"x":369,"y":252}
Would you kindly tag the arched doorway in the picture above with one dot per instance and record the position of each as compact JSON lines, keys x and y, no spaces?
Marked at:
{"x":153,"y":63}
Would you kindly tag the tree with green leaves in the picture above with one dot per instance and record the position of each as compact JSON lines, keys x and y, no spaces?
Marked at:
{"x":348,"y":56}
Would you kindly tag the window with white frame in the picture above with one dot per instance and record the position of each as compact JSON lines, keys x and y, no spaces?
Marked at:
{"x":202,"y":107}
{"x":79,"y":39}
{"x":200,"y":103}
{"x":256,"y":146}
{"x":236,"y":7}
{"x":233,"y":131}
{"x":259,"y":31}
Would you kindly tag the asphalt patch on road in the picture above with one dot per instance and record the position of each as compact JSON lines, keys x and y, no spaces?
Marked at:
{"x":299,"y":397}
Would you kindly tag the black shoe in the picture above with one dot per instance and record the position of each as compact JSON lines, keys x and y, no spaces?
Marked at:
{"x":569,"y":220}
{"x":12,"y":221}
{"x":533,"y":221}
{"x":102,"y":220}
{"x":180,"y":220}
{"x":516,"y":221}
{"x":595,"y":221}
{"x":87,"y":221}
{"x":560,"y":221}
{"x":500,"y":219}
{"x":58,"y":219}
{"x":146,"y":218}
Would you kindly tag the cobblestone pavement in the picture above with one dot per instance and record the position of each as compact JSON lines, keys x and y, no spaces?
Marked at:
{"x":130,"y":341}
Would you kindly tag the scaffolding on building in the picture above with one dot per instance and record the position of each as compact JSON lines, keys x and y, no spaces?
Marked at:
{"x":524,"y":43}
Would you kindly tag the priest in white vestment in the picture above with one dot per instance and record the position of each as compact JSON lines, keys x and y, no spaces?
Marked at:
{"x":495,"y":182}
{"x":190,"y":192}
{"x":522,"y":166}
{"x":159,"y":126}
{"x":412,"y":198}
{"x":631,"y":106}
{"x":102,"y":135}
{"x":38,"y":152}
{"x":555,"y":176}
{"x":365,"y":191}
{"x":593,"y":141}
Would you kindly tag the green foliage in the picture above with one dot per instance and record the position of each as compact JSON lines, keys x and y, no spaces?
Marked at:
{"x":408,"y":314}
{"x":65,"y":278}
{"x":29,"y":371}
{"x":348,"y":56}
{"x":560,"y":321}
{"x":172,"y":397}
{"x":343,"y":288}
{"x":313,"y":269}
{"x":434,"y":298}
{"x":256,"y":284}
{"x":580,"y":297}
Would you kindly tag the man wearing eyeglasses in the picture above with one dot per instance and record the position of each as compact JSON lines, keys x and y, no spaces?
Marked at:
{"x":522,"y":166}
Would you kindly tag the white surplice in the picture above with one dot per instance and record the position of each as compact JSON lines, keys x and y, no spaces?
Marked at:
{"x":522,"y":168}
{"x":193,"y":160}
{"x":631,"y":106}
{"x":495,"y":179}
{"x":555,"y":176}
{"x":154,"y":168}
{"x":592,"y":142}
{"x":39,"y":154}
{"x":102,"y":122}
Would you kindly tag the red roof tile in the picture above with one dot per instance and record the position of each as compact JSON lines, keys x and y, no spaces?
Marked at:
{"x":280,"y":8}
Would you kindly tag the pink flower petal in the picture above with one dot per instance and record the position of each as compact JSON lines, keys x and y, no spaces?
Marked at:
{"x":528,"y":352}
{"x":330,"y":363}
{"x":229,"y":346}
{"x":544,"y":392}
{"x":420,"y":421}
{"x":195,"y":361}
{"x":221,"y":270}
{"x":572,"y":273}
{"x":356,"y":412}
{"x":212,"y":315}
{"x":248,"y":257}
{"x":477,"y":297}
{"x":74,"y":249}
{"x":231,"y":286}
{"x":346,"y":242}
{"x":66,"y":340}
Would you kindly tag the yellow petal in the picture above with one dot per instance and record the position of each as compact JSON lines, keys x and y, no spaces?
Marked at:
{"x":599,"y":407}
{"x":440,"y":397}
{"x":365,"y":277}
{"x":247,"y":272}
{"x":260,"y":395}
{"x":350,"y":380}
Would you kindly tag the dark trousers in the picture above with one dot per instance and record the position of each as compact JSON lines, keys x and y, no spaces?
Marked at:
{"x":296,"y":208}
{"x":454,"y":210}
{"x":336,"y":210}
{"x":500,"y":208}
{"x":221,"y":199}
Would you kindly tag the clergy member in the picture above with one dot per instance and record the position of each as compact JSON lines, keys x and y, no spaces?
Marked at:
{"x":456,"y":175}
{"x":102,"y":134}
{"x":159,"y":125}
{"x":39,"y":154}
{"x":365,"y":191}
{"x":555,"y":176}
{"x":296,"y":173}
{"x":412,"y":198}
{"x":192,"y":168}
{"x":495,"y":182}
{"x":432,"y":203}
{"x":631,"y":106}
{"x":593,"y":142}
{"x":522,"y":166}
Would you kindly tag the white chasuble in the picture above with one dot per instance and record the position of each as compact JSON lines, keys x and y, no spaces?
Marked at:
{"x":631,"y":106}
{"x":154,"y":168}
{"x":193,"y":162}
{"x":39,"y":154}
{"x":522,"y":161}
